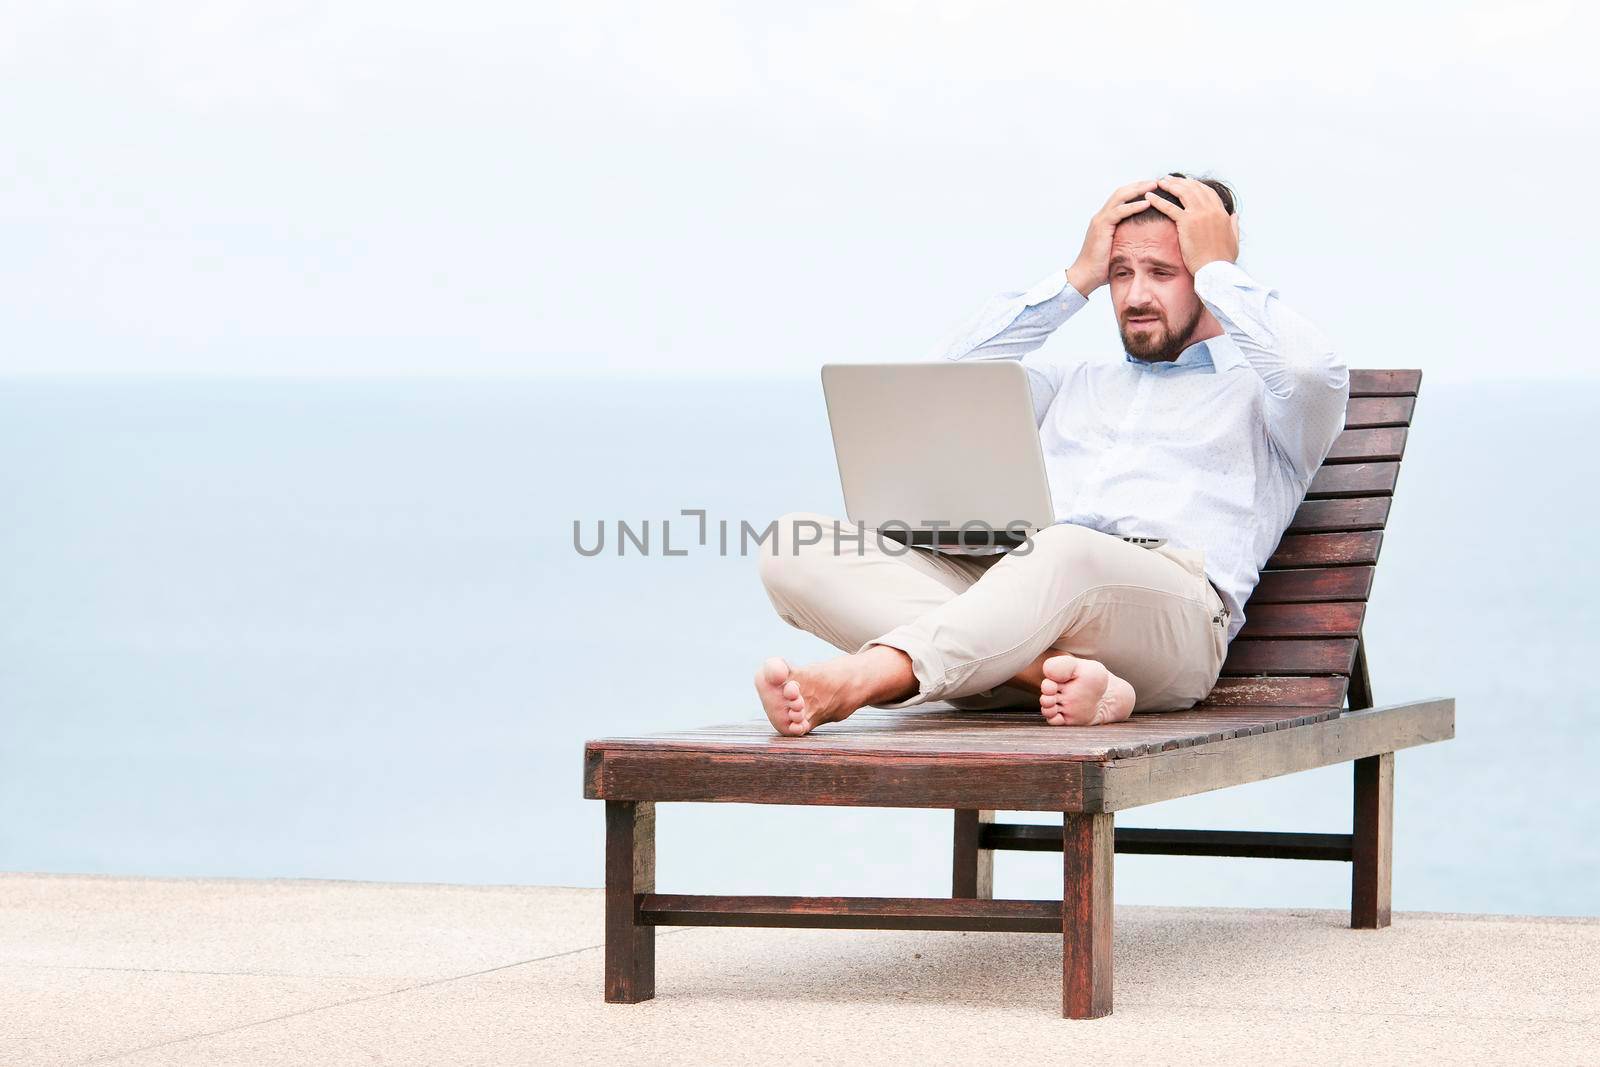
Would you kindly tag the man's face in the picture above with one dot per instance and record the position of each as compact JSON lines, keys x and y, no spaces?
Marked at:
{"x":1152,"y":291}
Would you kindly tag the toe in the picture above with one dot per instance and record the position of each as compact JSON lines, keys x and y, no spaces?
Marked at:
{"x":1058,"y":669}
{"x":775,"y":670}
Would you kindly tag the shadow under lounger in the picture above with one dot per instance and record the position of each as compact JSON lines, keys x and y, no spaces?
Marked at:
{"x":1279,"y":707}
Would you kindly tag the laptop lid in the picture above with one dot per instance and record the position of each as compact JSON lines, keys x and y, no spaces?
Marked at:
{"x":935,"y":446}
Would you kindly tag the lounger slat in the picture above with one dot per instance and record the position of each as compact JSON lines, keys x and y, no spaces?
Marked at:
{"x":850,"y":763}
{"x":1385,"y":382}
{"x":1366,"y":411}
{"x":872,"y":752}
{"x":1309,"y":585}
{"x":1291,"y":656}
{"x":1368,"y":446}
{"x":1332,"y":619}
{"x":1354,"y":479}
{"x":1341,"y":515}
{"x":1326,"y":691}
{"x":1327,"y":550}
{"x":990,"y":734}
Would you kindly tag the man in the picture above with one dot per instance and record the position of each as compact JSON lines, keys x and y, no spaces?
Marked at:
{"x":1206,"y":434}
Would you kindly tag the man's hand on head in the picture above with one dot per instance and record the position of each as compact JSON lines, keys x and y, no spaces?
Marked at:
{"x":1206,"y":232}
{"x":1088,"y":272}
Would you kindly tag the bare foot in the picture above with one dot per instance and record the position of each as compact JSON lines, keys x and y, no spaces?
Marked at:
{"x":798,"y":700}
{"x":1081,"y":692}
{"x":780,"y":695}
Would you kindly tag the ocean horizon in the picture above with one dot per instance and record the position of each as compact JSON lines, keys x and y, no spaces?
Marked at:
{"x":339,"y":629}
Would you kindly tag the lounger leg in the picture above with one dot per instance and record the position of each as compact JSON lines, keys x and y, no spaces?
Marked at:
{"x":630,"y":870}
{"x":972,"y":872}
{"x":1360,"y":691}
{"x":1373,"y":844}
{"x":1087,"y":857}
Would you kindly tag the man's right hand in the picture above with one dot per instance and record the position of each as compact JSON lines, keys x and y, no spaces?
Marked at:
{"x":1089,"y":271}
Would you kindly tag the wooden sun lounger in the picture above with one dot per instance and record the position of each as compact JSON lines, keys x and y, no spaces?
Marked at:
{"x":1279,"y":708}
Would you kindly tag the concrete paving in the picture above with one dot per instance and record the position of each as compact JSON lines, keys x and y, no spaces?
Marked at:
{"x":142,"y":972}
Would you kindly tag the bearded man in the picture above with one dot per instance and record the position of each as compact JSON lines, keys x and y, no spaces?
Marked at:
{"x":1205,"y":435}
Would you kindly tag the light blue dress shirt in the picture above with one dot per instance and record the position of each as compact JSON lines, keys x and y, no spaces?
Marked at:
{"x":1213,"y":450}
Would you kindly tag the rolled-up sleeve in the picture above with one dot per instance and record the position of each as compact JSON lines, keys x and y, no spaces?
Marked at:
{"x":1307,"y":383}
{"x":1011,"y":325}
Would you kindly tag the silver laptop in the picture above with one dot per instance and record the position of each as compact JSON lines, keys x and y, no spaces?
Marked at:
{"x":925,"y":449}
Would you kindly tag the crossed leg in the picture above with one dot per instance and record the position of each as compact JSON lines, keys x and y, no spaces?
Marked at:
{"x":880,"y":602}
{"x":1071,"y":691}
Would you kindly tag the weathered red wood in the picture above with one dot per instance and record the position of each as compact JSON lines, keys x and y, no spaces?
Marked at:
{"x":1308,"y":584}
{"x":908,"y":779}
{"x":1360,"y":680}
{"x":630,"y":954}
{"x":851,"y":913}
{"x":1151,"y":779}
{"x":972,"y":865}
{"x":1366,"y":411}
{"x":1086,"y":902}
{"x":1032,"y":837}
{"x":1146,"y":736}
{"x":1326,"y":550}
{"x":1372,"y":842}
{"x":1088,"y":841}
{"x":1340,"y":618}
{"x":1385,"y":382}
{"x":1318,"y":691}
{"x":1344,"y":513}
{"x":1317,"y":656}
{"x":1354,"y":479}
{"x":1370,"y":445}
{"x":749,"y":760}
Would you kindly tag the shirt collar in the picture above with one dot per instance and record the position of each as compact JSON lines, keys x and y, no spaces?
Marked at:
{"x":1220,"y":353}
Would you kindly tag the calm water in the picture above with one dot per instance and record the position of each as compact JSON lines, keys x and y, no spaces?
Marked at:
{"x":339,"y":631}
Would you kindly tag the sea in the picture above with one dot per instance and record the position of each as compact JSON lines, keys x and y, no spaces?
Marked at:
{"x":343,"y":630}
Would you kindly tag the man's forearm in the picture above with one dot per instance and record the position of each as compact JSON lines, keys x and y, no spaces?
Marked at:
{"x":1011,"y":325}
{"x":1081,"y":279}
{"x":1307,"y":382}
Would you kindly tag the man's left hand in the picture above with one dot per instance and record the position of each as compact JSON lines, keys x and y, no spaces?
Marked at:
{"x":1206,"y":232}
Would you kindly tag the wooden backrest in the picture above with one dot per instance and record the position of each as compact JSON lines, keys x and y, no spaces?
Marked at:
{"x":1301,"y":640}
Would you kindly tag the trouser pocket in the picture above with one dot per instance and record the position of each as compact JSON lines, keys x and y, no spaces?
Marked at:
{"x":1195,"y":682}
{"x":1221,"y":620}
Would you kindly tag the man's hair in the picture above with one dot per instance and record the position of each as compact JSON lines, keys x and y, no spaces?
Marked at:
{"x":1149,"y":214}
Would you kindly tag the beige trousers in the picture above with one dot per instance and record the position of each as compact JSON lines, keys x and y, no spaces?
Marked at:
{"x":971,"y":622}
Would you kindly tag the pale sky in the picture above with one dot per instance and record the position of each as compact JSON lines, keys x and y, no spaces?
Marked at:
{"x":690,"y":188}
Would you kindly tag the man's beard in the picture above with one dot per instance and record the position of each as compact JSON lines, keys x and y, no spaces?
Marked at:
{"x":1159,"y":345}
